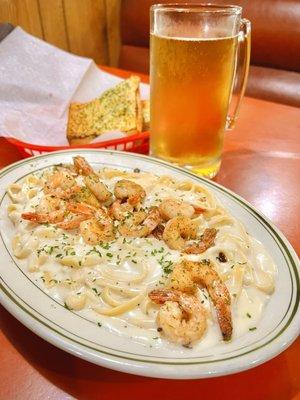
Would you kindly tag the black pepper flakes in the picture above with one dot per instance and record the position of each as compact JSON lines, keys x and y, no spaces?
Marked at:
{"x":222,"y":257}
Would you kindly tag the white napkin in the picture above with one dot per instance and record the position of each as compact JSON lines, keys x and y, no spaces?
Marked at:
{"x":37,"y":83}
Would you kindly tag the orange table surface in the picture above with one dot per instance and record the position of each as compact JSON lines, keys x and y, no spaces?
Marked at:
{"x":261,"y":162}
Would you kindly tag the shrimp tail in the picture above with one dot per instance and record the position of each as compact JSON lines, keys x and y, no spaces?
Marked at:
{"x":52,"y":217}
{"x":134,"y":200}
{"x":82,"y":167}
{"x":224,"y":319}
{"x":199,"y":210}
{"x":207,"y":241}
{"x":160,"y":296}
{"x":81,"y":208}
{"x":219,"y":294}
{"x":34,"y":217}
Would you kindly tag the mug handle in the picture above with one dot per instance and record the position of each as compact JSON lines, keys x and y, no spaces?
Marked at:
{"x":241,"y":72}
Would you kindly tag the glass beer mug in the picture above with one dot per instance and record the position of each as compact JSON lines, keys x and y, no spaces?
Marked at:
{"x":199,"y":61}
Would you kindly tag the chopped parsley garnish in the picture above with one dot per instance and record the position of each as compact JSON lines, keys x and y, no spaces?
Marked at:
{"x":96,"y":291}
{"x":94,"y":250}
{"x":105,"y":246}
{"x":248,"y":315}
{"x":252,"y":329}
{"x":167,"y":267}
{"x":46,"y":249}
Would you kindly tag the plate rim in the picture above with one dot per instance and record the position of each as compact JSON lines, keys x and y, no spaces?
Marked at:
{"x":61,"y":343}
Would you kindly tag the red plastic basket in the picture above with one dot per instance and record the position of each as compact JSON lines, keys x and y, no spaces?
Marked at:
{"x":137,"y":143}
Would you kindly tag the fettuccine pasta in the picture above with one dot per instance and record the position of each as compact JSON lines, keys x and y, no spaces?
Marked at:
{"x":101,"y":254}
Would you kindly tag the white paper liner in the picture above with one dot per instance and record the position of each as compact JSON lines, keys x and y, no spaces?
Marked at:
{"x":38,"y":82}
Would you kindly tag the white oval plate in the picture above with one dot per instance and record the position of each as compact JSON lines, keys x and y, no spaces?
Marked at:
{"x":69,"y":331}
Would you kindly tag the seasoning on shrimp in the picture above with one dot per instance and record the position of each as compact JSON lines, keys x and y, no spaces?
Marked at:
{"x":181,"y":318}
{"x":126,"y":190}
{"x":61,"y":184}
{"x":187,"y":275}
{"x":178,"y":230}
{"x":206,"y":241}
{"x":171,"y":208}
{"x":92,"y":180}
{"x":140,"y":223}
{"x":50,"y":210}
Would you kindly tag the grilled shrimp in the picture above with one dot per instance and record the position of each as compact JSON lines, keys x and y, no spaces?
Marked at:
{"x":98,"y":188}
{"x":49,"y":204}
{"x":178,"y":230}
{"x":84,"y":195}
{"x":95,"y":231}
{"x":88,"y":211}
{"x":187,"y":275}
{"x":170,"y":208}
{"x":181,"y":318}
{"x":61,"y":184}
{"x":158,"y":232}
{"x":206,"y":241}
{"x":140,"y":224}
{"x":73,"y":221}
{"x":82,"y":167}
{"x":50,"y":210}
{"x":82,"y":208}
{"x":78,"y":212}
{"x":119,"y":210}
{"x":129,"y":191}
{"x":92,"y":180}
{"x":96,"y":226}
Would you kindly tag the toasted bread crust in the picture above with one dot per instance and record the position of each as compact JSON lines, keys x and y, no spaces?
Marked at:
{"x":146,"y":114}
{"x":119,"y":108}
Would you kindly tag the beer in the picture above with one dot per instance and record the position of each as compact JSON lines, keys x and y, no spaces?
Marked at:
{"x":191,"y":84}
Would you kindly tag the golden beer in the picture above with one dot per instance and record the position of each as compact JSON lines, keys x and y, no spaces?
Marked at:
{"x":191,"y":85}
